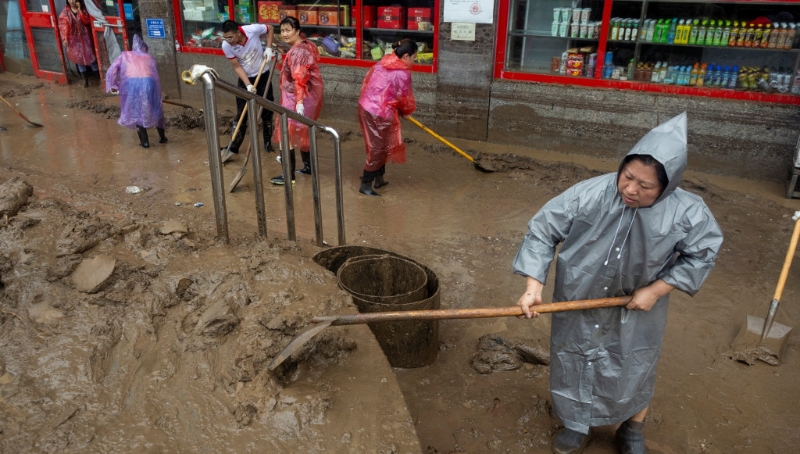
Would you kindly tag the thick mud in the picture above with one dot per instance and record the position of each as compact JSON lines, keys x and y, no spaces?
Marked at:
{"x":126,"y":325}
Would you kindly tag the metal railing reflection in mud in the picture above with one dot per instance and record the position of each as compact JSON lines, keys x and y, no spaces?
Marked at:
{"x":210,"y":84}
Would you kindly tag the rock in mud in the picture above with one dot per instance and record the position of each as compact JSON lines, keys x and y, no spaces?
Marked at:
{"x":92,"y":274}
{"x":14,"y":194}
{"x":496,"y":353}
{"x":174,"y":227}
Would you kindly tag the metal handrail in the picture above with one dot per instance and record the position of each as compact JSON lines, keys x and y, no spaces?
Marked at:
{"x":210,"y":83}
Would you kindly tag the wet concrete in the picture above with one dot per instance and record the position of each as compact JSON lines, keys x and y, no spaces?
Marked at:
{"x":163,"y":361}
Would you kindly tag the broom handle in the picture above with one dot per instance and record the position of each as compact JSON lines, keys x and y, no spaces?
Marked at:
{"x":787,"y":262}
{"x":445,"y":314}
{"x":444,"y":141}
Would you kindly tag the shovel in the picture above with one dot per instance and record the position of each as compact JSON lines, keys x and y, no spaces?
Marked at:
{"x":243,"y":170}
{"x":244,"y":111}
{"x":180,"y":104}
{"x":763,"y":339}
{"x":320,"y":323}
{"x":446,"y":142}
{"x":20,"y":113}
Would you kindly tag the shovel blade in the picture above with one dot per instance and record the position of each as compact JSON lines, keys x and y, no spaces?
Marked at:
{"x":747,"y":346}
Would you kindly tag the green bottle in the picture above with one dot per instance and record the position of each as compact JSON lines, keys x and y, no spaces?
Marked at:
{"x":693,"y":33}
{"x":717,"y":34}
{"x":701,"y":33}
{"x":710,"y":33}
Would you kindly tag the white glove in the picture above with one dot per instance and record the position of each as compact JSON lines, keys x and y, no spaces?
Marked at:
{"x":192,"y":75}
{"x":269,"y":53}
{"x":251,"y":88}
{"x":114,"y":91}
{"x":300,"y":108}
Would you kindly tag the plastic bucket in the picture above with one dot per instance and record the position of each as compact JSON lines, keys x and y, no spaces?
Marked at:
{"x":383,"y":279}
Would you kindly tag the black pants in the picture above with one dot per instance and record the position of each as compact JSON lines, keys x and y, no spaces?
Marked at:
{"x":266,"y":114}
{"x":369,"y":176}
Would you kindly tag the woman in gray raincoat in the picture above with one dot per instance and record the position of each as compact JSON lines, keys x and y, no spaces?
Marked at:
{"x":633,"y":232}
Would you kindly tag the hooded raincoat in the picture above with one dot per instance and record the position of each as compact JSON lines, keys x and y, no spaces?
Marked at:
{"x":75,"y":29}
{"x":385,"y":94}
{"x":135,"y":75}
{"x":301,"y":82}
{"x":603,"y":361}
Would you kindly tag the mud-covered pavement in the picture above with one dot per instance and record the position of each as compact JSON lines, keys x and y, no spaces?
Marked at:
{"x":163,"y":345}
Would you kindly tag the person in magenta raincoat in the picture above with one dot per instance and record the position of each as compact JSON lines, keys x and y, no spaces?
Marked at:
{"x":385,"y":95}
{"x":301,"y":91}
{"x":74,"y":25}
{"x":134,"y":76}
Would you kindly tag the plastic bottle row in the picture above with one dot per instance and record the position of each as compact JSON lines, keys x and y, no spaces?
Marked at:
{"x":705,"y":32}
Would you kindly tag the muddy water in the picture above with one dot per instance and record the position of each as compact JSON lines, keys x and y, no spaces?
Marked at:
{"x":145,"y":361}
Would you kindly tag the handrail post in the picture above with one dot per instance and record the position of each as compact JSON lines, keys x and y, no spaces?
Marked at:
{"x":312,"y":136}
{"x":287,"y":178}
{"x":258,"y":185}
{"x":337,"y":168}
{"x":214,"y":160}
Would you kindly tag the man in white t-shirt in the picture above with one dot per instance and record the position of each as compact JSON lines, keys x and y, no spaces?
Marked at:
{"x":242,"y":46}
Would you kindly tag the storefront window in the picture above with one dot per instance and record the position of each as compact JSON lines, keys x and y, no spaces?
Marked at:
{"x":357,"y":30}
{"x":743,"y":46}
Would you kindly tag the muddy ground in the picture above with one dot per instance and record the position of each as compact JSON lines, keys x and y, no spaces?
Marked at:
{"x":126,"y":326}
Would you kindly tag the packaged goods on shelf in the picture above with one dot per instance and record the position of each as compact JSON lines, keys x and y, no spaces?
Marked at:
{"x":425,"y":57}
{"x":418,"y":15}
{"x":308,"y":14}
{"x":285,"y":11}
{"x":328,"y":15}
{"x":391,"y":17}
{"x":268,"y":12}
{"x":344,"y":15}
{"x":369,"y":14}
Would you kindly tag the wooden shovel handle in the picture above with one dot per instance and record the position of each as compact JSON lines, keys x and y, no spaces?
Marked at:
{"x":787,"y":263}
{"x":445,"y":314}
{"x":244,"y":111}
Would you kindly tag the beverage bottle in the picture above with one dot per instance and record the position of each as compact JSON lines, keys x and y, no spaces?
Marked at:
{"x":670,"y":76}
{"x":678,"y":75}
{"x":701,"y":32}
{"x":701,"y":75}
{"x":734,"y":77}
{"x":679,"y":32}
{"x":673,"y":26}
{"x":796,"y":83}
{"x":775,"y":36}
{"x":748,"y":39}
{"x":712,"y":28}
{"x":707,"y":79}
{"x":631,"y":69}
{"x":687,"y":74}
{"x":665,"y":30}
{"x":689,"y":29}
{"x":635,"y":31}
{"x":757,"y":36}
{"x":725,"y":78}
{"x":657,"y":30}
{"x":766,"y":36}
{"x":693,"y":74}
{"x":733,"y":33}
{"x":717,"y":34}
{"x":651,"y":29}
{"x":726,"y":34}
{"x":786,"y":82}
{"x":656,"y":71}
{"x":762,"y":79}
{"x":614,"y":29}
{"x":790,"y":34}
{"x":742,"y":34}
{"x":662,"y":76}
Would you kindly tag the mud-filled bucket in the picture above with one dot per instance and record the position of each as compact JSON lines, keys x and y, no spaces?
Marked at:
{"x":411,"y":343}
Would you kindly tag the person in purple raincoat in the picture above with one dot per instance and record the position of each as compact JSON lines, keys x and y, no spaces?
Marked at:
{"x":74,"y":25}
{"x":134,"y":76}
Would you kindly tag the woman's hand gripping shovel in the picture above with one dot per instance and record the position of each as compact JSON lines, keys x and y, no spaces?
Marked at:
{"x":320,"y":323}
{"x":243,"y":170}
{"x":224,"y":152}
{"x":765,"y":339}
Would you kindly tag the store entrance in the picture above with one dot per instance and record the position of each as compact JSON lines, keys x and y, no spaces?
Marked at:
{"x":40,"y":21}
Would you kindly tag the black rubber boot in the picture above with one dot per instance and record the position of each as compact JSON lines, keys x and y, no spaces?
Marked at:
{"x":630,"y":439}
{"x":366,"y":184}
{"x":161,"y":135}
{"x":292,"y":161}
{"x":85,"y":76}
{"x":267,"y":134}
{"x":142,"y":132}
{"x":305,"y":156}
{"x":379,"y":181}
{"x":569,"y":442}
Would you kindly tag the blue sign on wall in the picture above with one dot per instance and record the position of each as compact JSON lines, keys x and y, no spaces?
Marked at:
{"x":128,"y":11}
{"x":155,"y":28}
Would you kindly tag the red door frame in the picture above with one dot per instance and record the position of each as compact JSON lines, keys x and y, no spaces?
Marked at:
{"x":119,"y":27}
{"x":499,"y":72}
{"x":49,"y":20}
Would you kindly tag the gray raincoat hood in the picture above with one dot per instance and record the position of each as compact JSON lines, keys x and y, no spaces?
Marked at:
{"x":603,"y":361}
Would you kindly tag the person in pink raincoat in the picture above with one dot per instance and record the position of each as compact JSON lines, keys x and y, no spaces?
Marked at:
{"x":134,"y":76}
{"x":301,"y":91}
{"x":385,"y":95}
{"x":74,"y":25}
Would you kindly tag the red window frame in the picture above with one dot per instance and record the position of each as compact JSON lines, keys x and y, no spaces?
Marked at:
{"x":356,"y":18}
{"x":500,"y":72}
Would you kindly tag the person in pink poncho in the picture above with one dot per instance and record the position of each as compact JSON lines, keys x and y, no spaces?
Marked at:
{"x":386,"y":95}
{"x":134,"y":76}
{"x":74,"y":25}
{"x":301,"y":91}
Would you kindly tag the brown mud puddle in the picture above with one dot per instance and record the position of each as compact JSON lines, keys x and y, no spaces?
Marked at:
{"x":169,"y":352}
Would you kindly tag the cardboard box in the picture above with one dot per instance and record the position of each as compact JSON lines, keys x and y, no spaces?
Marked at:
{"x":328,"y":15}
{"x":308,"y":14}
{"x":393,"y":17}
{"x":285,"y":11}
{"x":417,"y":15}
{"x":344,"y":15}
{"x":369,"y":13}
{"x":268,"y":12}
